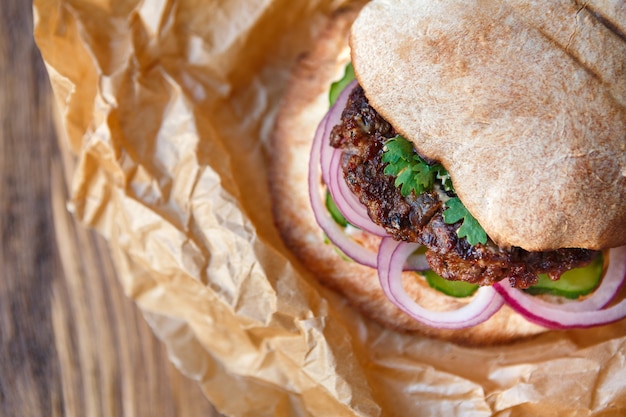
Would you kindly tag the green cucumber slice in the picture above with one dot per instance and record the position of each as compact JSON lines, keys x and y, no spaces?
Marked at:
{"x":456,"y":289}
{"x":573,"y":283}
{"x":334,"y":211}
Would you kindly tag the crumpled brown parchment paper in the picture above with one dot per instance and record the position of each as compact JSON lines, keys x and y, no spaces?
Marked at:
{"x":168,"y":106}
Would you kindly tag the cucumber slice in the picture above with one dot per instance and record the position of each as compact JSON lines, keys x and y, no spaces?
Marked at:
{"x":457,"y":289}
{"x":338,"y":86}
{"x":334,"y":211}
{"x":573,"y":283}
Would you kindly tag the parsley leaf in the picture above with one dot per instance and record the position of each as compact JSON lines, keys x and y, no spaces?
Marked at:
{"x":470,"y":229}
{"x":412,"y":172}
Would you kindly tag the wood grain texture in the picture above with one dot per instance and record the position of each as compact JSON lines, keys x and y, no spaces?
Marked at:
{"x":71,"y":343}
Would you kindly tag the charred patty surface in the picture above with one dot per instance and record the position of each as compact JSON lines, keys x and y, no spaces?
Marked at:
{"x":361,"y":135}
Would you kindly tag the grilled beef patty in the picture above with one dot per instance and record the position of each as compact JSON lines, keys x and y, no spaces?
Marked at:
{"x":361,"y":135}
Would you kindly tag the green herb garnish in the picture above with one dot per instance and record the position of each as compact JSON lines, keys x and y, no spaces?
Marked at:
{"x":470,"y":229}
{"x":412,"y":173}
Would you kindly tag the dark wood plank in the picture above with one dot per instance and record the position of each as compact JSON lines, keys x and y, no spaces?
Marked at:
{"x":71,"y":343}
{"x":28,"y":260}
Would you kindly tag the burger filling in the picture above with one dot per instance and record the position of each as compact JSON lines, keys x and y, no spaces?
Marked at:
{"x":419,"y":217}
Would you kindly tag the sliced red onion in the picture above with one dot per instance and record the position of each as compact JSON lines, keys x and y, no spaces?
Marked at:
{"x":333,"y":231}
{"x":345,"y":200}
{"x":330,"y":157}
{"x":322,"y":151}
{"x":332,"y":118}
{"x":392,"y":254}
{"x":578,"y":314}
{"x":326,"y":151}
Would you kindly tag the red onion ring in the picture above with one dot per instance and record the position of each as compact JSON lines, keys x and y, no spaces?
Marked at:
{"x":579,"y":314}
{"x":332,"y":118}
{"x":391,"y":256}
{"x":326,"y":151}
{"x":321,"y":151}
{"x":347,"y":203}
{"x":333,"y":231}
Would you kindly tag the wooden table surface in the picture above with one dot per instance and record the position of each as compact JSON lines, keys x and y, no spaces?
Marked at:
{"x":71,"y":343}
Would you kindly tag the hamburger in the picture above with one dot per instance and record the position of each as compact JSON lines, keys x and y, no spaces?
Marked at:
{"x":471,"y":155}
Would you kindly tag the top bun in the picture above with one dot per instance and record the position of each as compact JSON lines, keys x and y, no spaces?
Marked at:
{"x":523,"y":102}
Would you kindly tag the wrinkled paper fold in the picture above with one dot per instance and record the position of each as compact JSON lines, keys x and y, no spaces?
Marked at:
{"x":168,"y":106}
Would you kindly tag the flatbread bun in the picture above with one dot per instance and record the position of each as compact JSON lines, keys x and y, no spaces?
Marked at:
{"x":304,"y":106}
{"x":524,"y":103}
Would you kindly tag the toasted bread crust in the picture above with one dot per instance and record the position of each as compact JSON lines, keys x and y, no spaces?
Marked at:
{"x":304,"y":105}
